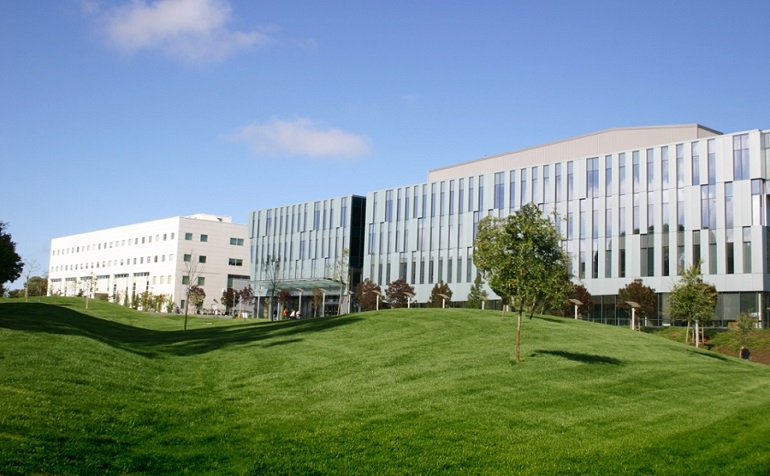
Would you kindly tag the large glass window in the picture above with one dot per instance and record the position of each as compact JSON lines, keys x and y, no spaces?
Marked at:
{"x":695,"y":154}
{"x":499,"y":190}
{"x":746,"y":249}
{"x":512,"y":191}
{"x":708,"y":204}
{"x":741,"y":157}
{"x":650,"y":169}
{"x":712,"y":162}
{"x":728,"y":205}
{"x":592,"y":176}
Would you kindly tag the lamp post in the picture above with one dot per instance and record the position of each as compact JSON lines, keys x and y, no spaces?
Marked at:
{"x":299,"y":307}
{"x":378,"y":298}
{"x":323,"y":304}
{"x":633,"y":305}
{"x":577,"y":305}
{"x":409,"y":297}
{"x":443,"y":297}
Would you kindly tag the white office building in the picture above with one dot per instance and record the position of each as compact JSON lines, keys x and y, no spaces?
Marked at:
{"x":158,"y":257}
{"x":630,"y":203}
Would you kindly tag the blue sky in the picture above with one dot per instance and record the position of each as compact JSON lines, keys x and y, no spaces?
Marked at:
{"x":121,"y":111}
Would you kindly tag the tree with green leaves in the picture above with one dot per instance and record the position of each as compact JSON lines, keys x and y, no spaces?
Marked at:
{"x":37,"y":286}
{"x":745,"y":325}
{"x":521,"y":258}
{"x":196,"y":296}
{"x":230,"y":299}
{"x":398,"y":293}
{"x":11,"y":264}
{"x":437,"y":294}
{"x":367,"y":294}
{"x":636,"y":291}
{"x":477,"y":295}
{"x":692,"y":300}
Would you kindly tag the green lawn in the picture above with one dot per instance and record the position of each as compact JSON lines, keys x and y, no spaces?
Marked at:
{"x":108,"y":390}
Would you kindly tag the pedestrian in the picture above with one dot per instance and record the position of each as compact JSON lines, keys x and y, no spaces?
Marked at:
{"x":745,"y":354}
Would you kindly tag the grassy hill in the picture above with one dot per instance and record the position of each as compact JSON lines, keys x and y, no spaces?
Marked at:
{"x":108,"y":390}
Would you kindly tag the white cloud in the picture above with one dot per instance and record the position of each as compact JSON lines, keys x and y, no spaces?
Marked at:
{"x":302,"y":137}
{"x":191,"y":30}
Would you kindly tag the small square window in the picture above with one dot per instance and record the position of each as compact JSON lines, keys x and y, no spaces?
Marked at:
{"x":201,"y":259}
{"x":188,"y":236}
{"x":201,"y":281}
{"x":185,"y":280}
{"x":204,"y":238}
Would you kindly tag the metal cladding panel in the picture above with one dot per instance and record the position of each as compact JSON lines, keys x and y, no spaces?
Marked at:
{"x":595,"y":144}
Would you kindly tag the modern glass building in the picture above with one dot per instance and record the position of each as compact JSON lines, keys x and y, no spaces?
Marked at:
{"x":306,"y":248}
{"x":639,"y":202}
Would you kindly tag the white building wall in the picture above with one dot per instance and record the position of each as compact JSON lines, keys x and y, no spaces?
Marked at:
{"x":149,"y":256}
{"x":748,"y":212}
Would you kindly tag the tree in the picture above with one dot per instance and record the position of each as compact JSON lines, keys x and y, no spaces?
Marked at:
{"x":340,"y":273}
{"x":645,"y":296}
{"x":477,"y":294}
{"x":11,"y":264}
{"x":745,"y":325}
{"x":272,"y":269}
{"x":230,"y":299}
{"x":398,"y":293}
{"x":246,"y":296}
{"x":196,"y":295}
{"x":436,"y":299}
{"x":284,"y":297}
{"x":30,"y":266}
{"x":88,"y":286}
{"x":37,"y":286}
{"x":521,"y":258}
{"x":317,"y":300}
{"x":189,"y":276}
{"x":366,"y":295}
{"x":692,"y":300}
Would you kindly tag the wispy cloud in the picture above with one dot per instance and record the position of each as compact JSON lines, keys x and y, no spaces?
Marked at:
{"x":302,"y":137}
{"x":190,"y":30}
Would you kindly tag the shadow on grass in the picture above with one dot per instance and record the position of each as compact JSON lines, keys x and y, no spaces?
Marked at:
{"x":52,"y":319}
{"x":579,"y":357}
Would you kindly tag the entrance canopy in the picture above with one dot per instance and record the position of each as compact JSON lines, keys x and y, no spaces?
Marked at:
{"x":295,"y":285}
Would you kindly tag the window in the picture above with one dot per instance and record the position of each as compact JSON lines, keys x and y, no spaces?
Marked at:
{"x":201,"y":281}
{"x":187,"y":236}
{"x":592,"y":176}
{"x":235,"y":262}
{"x":236,"y":241}
{"x":185,"y":280}
{"x":201,"y":259}
{"x":695,"y":149}
{"x":499,"y":190}
{"x":204,"y":238}
{"x":741,"y":157}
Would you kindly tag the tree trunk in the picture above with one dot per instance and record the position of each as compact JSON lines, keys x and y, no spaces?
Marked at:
{"x":518,"y":335}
